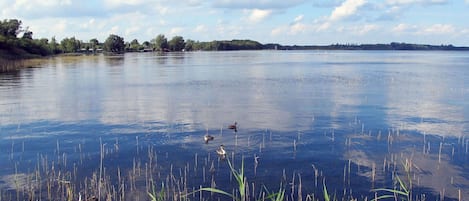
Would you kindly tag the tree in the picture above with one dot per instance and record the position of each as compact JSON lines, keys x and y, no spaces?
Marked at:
{"x":28,"y":35}
{"x":53,"y":46}
{"x":10,"y":28}
{"x":160,"y":43}
{"x":134,"y":45}
{"x":189,"y":45}
{"x":114,"y":43}
{"x":176,"y":43}
{"x":146,"y":44}
{"x":94,"y":44}
{"x":70,"y":45}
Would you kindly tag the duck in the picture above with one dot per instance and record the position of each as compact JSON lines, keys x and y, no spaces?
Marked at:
{"x":221,"y":151}
{"x":234,"y":126}
{"x":207,"y":138}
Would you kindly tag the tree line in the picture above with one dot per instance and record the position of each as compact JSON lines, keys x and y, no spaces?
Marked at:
{"x":18,"y":42}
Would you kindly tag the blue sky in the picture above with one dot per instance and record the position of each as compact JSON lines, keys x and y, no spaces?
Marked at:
{"x":299,"y":22}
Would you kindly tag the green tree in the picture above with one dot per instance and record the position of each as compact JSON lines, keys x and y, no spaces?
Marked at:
{"x":10,"y":28}
{"x":176,"y":43}
{"x":160,"y":43}
{"x":114,"y":43}
{"x":53,"y":46}
{"x":146,"y":44}
{"x":69,"y":45}
{"x":134,"y":45}
{"x":27,"y":34}
{"x":190,"y":44}
{"x":94,"y":44}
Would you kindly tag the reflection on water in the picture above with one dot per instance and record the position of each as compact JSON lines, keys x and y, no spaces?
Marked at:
{"x":353,"y":116}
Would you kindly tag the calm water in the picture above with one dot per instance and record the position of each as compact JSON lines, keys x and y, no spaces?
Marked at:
{"x":352,"y":116}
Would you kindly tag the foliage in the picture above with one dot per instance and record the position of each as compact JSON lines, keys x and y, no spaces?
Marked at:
{"x":146,"y":44}
{"x":160,"y":43}
{"x":228,"y":45}
{"x":114,"y":43}
{"x":404,"y":190}
{"x":189,"y":46}
{"x":10,"y":28}
{"x":70,"y":45}
{"x":94,"y":44}
{"x":176,"y":43}
{"x":133,"y":46}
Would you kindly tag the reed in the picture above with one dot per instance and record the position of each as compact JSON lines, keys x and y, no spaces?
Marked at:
{"x":242,"y":193}
{"x":403,"y":191}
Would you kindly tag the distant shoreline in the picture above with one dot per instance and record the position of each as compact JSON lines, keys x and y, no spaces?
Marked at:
{"x":369,"y":47}
{"x":9,"y":61}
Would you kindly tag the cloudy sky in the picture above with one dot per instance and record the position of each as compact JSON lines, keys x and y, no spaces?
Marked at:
{"x":299,"y":22}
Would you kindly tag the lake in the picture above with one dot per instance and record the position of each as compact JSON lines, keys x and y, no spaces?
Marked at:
{"x":353,"y":122}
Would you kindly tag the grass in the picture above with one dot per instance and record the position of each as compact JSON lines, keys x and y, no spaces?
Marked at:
{"x":157,"y":195}
{"x":242,"y":188}
{"x":403,"y":190}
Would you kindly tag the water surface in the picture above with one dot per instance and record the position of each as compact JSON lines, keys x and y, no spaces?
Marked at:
{"x":353,"y":116}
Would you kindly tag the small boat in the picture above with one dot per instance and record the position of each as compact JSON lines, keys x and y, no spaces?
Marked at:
{"x":221,"y":151}
{"x":234,"y":126}
{"x":207,"y":138}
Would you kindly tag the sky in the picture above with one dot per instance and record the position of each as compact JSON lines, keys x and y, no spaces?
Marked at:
{"x":288,"y":22}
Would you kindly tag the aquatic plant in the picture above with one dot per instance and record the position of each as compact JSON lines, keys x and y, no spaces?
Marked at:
{"x":242,"y":190}
{"x":404,"y":192}
{"x":157,"y":196}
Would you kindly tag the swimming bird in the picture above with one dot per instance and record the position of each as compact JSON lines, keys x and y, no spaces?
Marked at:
{"x":221,"y":151}
{"x":207,"y":138}
{"x":234,"y":126}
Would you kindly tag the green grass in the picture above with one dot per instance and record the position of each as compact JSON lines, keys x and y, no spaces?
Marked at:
{"x":242,"y":184}
{"x":404,"y":190}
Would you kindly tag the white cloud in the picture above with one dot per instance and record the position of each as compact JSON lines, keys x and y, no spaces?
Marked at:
{"x":421,"y":2}
{"x":129,"y":31}
{"x":277,"y":31}
{"x":346,"y":9}
{"x":323,"y":26}
{"x":59,"y":27}
{"x":118,"y":3}
{"x":226,"y":31}
{"x":114,"y":30}
{"x":434,"y":29}
{"x":298,"y":18}
{"x":439,"y":29}
{"x":200,"y":29}
{"x":176,"y":31}
{"x":296,"y":27}
{"x":358,"y":30}
{"x":362,"y":30}
{"x":258,"y":4}
{"x":257,"y":15}
{"x":403,"y":28}
{"x":88,"y":24}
